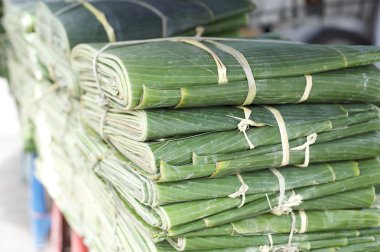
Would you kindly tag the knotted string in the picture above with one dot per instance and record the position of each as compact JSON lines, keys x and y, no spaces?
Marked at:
{"x":245,"y":123}
{"x":310,"y":139}
{"x":241,"y":192}
{"x":283,"y":207}
{"x":267,"y":248}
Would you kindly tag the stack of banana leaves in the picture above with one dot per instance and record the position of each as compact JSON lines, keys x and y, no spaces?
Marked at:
{"x":291,"y":168}
{"x":62,"y":25}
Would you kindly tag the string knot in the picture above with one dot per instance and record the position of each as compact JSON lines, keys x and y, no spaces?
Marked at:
{"x":310,"y":139}
{"x":241,"y":192}
{"x":265,"y":248}
{"x":286,"y":207}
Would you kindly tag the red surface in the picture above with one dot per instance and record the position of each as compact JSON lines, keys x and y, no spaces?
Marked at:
{"x":57,"y":230}
{"x":77,"y":244}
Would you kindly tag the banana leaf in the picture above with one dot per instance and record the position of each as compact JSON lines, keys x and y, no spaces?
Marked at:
{"x":172,"y":73}
{"x":146,"y":125}
{"x":180,"y":158}
{"x":220,"y":242}
{"x":129,"y":20}
{"x":369,"y":176}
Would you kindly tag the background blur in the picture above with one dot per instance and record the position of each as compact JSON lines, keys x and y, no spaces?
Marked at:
{"x":313,"y":21}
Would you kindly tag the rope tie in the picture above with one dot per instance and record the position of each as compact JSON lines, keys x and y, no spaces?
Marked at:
{"x":267,"y":248}
{"x":289,"y":247}
{"x":284,"y":206}
{"x":221,"y":68}
{"x":246,"y":68}
{"x":283,"y":134}
{"x":309,"y":85}
{"x":310,"y":139}
{"x":101,"y":17}
{"x":241,"y":192}
{"x":245,"y":123}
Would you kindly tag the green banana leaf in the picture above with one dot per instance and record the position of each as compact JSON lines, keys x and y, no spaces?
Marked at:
{"x":132,"y":20}
{"x":172,"y":73}
{"x":171,"y":158}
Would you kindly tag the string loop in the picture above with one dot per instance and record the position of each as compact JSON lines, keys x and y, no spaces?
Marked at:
{"x":241,"y":192}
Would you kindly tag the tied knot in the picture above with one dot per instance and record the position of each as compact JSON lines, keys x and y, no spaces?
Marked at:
{"x":265,"y":248}
{"x":310,"y":139}
{"x":286,"y":207}
{"x":245,"y":123}
{"x":241,"y":192}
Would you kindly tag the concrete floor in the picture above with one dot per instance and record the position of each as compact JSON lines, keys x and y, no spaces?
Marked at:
{"x":15,"y":232}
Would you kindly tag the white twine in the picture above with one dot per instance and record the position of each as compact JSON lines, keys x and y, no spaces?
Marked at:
{"x":289,"y":247}
{"x":283,"y":207}
{"x":309,"y":85}
{"x":283,"y":134}
{"x":267,"y":248}
{"x":286,"y":207}
{"x":310,"y":139}
{"x":241,"y":192}
{"x":244,"y":124}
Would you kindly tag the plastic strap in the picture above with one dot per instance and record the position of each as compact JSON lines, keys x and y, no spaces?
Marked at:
{"x":241,"y":192}
{"x":246,"y":68}
{"x":283,"y":134}
{"x":304,"y":222}
{"x":309,"y":85}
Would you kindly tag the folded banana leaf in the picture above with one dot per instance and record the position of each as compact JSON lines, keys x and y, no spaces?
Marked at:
{"x":369,"y":173}
{"x":224,"y":242}
{"x":156,"y":124}
{"x":185,"y":72}
{"x":184,"y":158}
{"x":103,"y":21}
{"x":328,"y":220}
